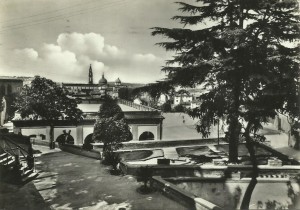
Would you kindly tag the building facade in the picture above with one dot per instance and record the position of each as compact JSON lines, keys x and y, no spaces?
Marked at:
{"x":145,"y":123}
{"x":8,"y":87}
{"x":93,"y":90}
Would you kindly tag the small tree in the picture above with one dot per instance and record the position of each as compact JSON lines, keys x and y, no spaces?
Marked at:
{"x":111,"y":127}
{"x":179,"y":108}
{"x":145,"y":173}
{"x":166,"y":107}
{"x":154,"y":90}
{"x":44,"y":99}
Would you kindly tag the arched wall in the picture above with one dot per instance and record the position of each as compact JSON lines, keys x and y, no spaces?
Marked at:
{"x":59,"y":130}
{"x":151,"y":128}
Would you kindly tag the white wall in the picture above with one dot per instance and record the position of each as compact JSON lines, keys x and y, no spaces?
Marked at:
{"x":86,"y":131}
{"x":137,"y":101}
{"x":35,"y":131}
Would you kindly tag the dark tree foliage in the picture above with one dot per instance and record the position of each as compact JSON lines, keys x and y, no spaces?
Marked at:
{"x":155,"y":89}
{"x":110,"y":109}
{"x":126,"y":93}
{"x":244,"y":57}
{"x":44,"y":99}
{"x":1,"y":103}
{"x":179,"y":108}
{"x":10,"y":100}
{"x":111,"y":127}
{"x":166,"y":107}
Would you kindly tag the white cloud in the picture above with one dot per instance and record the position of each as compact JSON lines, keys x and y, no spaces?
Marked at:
{"x":90,"y":44}
{"x":69,"y":58}
{"x":144,"y":57}
{"x":27,"y":53}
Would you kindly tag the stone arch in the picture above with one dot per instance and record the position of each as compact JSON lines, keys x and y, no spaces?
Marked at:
{"x":65,"y":139}
{"x":147,"y":135}
{"x":88,"y":138}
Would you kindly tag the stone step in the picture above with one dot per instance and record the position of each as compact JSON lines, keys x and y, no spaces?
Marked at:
{"x":5,"y":161}
{"x":3,"y":155}
{"x":29,"y":178}
{"x":27,"y":172}
{"x":22,"y":168}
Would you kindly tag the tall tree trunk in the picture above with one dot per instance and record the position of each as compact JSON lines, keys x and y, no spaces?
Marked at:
{"x":248,"y":193}
{"x":234,"y":132}
{"x":234,"y":125}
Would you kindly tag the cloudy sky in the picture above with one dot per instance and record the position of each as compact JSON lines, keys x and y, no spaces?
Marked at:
{"x":60,"y":39}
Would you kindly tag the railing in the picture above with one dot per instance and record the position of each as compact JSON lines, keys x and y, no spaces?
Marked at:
{"x":14,"y":149}
{"x":8,"y":142}
{"x":137,"y":106}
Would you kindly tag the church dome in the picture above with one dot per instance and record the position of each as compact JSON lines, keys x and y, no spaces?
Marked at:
{"x":118,"y":80}
{"x":102,"y":81}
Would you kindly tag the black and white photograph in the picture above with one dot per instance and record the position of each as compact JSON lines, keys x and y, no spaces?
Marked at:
{"x":149,"y":105}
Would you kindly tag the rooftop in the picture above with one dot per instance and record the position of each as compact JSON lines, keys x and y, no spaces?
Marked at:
{"x":95,"y":108}
{"x":12,"y":78}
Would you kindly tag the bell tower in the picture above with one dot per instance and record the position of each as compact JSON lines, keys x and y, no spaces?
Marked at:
{"x":90,"y":75}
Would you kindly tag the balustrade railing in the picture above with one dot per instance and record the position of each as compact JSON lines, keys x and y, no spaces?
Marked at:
{"x":137,"y":106}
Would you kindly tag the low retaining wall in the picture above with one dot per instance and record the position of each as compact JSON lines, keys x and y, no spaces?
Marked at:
{"x":185,"y":198}
{"x":74,"y":149}
{"x":229,"y":193}
{"x":43,"y":143}
{"x":209,"y":171}
{"x":279,"y":154}
{"x":164,"y":143}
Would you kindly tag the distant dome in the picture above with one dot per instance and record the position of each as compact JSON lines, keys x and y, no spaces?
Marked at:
{"x":102,"y":81}
{"x":118,"y":80}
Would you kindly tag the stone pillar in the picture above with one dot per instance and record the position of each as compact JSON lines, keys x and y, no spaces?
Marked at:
{"x":48,"y":133}
{"x":79,"y":133}
{"x":160,"y":130}
{"x":135,"y":132}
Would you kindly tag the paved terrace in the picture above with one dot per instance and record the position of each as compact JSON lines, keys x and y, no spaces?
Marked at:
{"x":68,"y":181}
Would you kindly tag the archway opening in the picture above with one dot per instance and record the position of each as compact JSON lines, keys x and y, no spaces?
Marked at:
{"x":65,"y":139}
{"x":87,"y":142}
{"x":147,"y":135}
{"x":88,"y":139}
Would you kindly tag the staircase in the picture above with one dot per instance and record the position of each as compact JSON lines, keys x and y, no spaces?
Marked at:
{"x":16,"y":164}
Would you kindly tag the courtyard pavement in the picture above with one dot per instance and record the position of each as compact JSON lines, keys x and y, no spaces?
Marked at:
{"x":182,"y":126}
{"x":68,"y":181}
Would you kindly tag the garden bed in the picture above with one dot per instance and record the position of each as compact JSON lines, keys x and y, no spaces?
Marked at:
{"x":139,"y":155}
